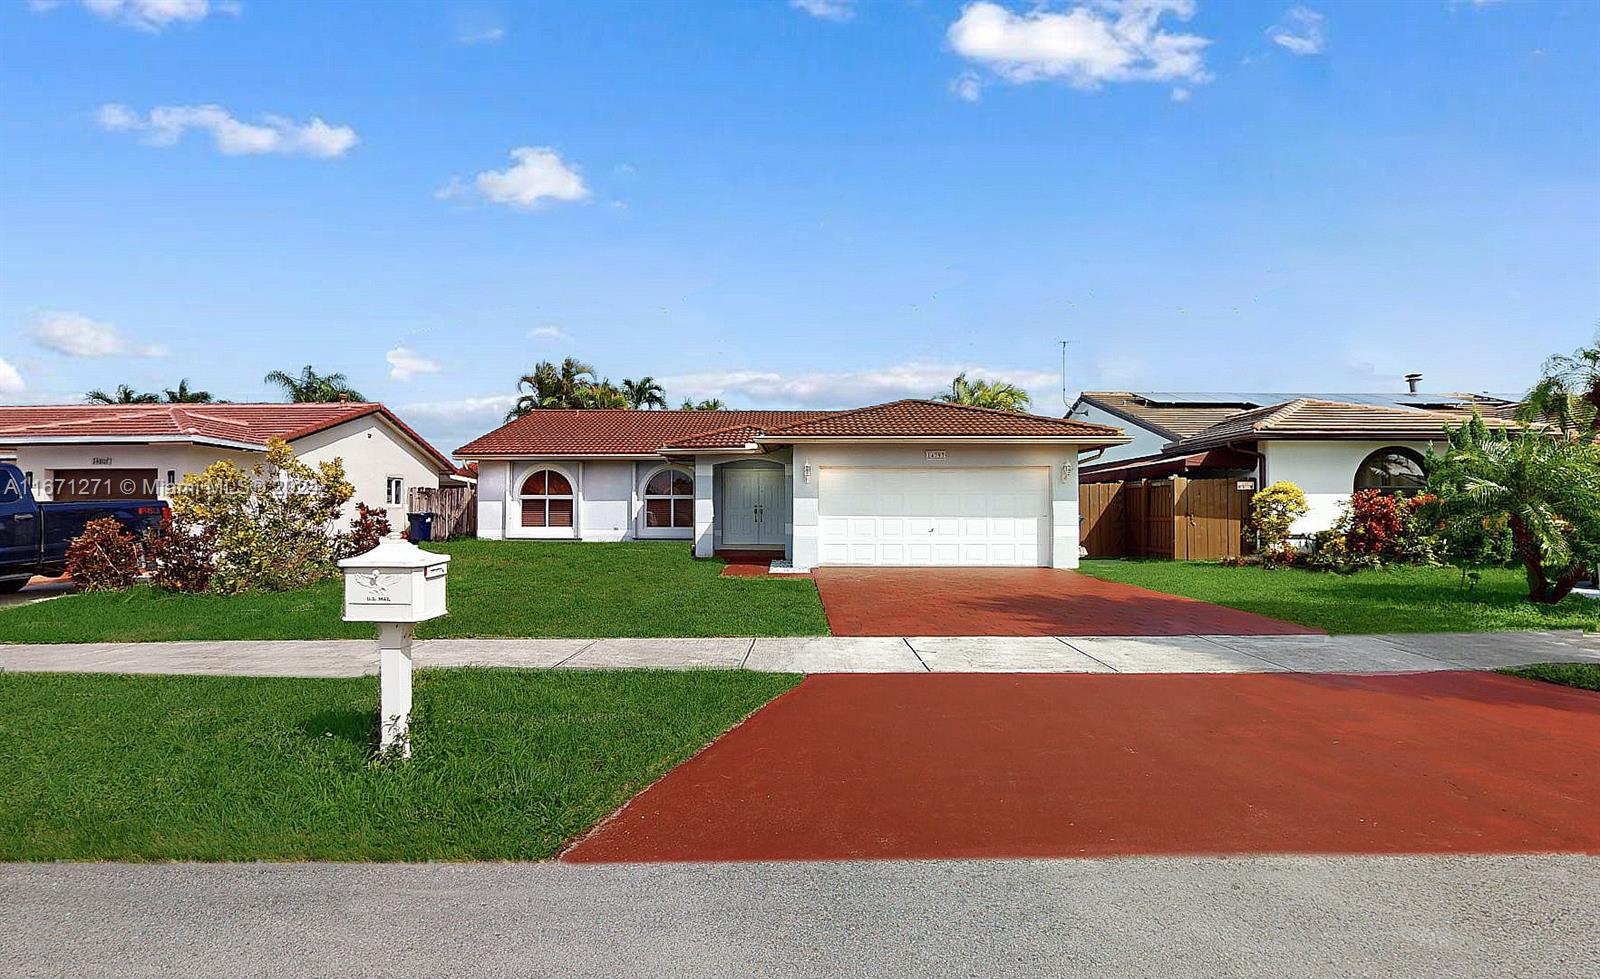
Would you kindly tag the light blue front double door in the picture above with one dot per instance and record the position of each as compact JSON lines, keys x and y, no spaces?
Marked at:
{"x":753,"y":508}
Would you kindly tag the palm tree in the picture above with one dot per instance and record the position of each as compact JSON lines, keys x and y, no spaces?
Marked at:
{"x":709,"y":404}
{"x":309,"y":386}
{"x":603,"y":394}
{"x":1568,"y":393}
{"x":980,"y":393}
{"x":1543,"y":486}
{"x":181,"y":395}
{"x":123,"y":395}
{"x":549,"y":386}
{"x":644,"y":393}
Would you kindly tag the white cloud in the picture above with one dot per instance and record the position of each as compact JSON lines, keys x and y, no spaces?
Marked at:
{"x":1181,"y":95}
{"x":76,"y":335}
{"x":166,"y":125}
{"x":148,"y":15}
{"x":1299,"y":30}
{"x":486,"y":35}
{"x":967,"y":86}
{"x":836,"y":10}
{"x":405,"y":363}
{"x":538,"y":175}
{"x":490,"y":407}
{"x":548,"y":333}
{"x":845,"y":389}
{"x":1085,"y":47}
{"x":10,"y":378}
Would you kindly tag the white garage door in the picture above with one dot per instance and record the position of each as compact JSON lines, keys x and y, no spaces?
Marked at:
{"x":958,"y":517}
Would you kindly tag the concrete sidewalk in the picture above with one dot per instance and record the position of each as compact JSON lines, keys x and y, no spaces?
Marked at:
{"x":839,"y":654}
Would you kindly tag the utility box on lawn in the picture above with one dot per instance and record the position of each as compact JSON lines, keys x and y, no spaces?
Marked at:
{"x":397,"y":581}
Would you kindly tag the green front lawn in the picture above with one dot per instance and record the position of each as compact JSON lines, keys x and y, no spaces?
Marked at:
{"x":497,"y":588}
{"x":1584,"y":676}
{"x":507,"y":764}
{"x":1404,"y":599}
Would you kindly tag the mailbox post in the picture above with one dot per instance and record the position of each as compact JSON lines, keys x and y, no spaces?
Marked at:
{"x":396,"y":584}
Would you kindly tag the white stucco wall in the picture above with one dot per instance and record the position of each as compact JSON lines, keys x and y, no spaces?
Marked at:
{"x":1145,"y":442}
{"x":372,"y":451}
{"x":1325,"y":471}
{"x":609,"y":504}
{"x":178,"y":458}
{"x":1063,"y":483}
{"x":494,"y":480}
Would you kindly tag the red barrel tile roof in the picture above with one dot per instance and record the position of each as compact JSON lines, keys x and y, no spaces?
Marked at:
{"x":251,"y":424}
{"x":614,"y":431}
{"x":617,"y":431}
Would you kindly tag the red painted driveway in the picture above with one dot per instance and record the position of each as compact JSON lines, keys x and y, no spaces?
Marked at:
{"x":959,"y":766}
{"x":1019,"y":602}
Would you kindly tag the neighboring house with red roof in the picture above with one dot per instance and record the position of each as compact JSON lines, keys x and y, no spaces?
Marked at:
{"x":85,"y":452}
{"x":904,"y":483}
{"x":1329,"y":445}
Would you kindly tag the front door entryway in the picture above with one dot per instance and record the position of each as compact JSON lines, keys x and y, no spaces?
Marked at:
{"x":753,"y":510}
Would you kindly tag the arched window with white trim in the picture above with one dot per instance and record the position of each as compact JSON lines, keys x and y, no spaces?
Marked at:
{"x":1392,"y":470}
{"x":546,"y":498}
{"x":669,"y":499}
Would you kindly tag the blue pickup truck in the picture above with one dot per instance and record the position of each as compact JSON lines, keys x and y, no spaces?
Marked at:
{"x":34,"y":536}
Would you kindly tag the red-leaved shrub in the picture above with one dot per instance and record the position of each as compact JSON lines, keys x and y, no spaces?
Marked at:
{"x":182,"y":557}
{"x":105,"y":557}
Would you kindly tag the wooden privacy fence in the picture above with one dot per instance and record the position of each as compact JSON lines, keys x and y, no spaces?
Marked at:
{"x":454,"y":509}
{"x":1177,"y":518}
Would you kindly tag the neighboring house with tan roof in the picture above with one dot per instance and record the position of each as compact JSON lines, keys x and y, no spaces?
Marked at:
{"x":86,"y":452}
{"x":917,"y":483}
{"x":1327,"y":444}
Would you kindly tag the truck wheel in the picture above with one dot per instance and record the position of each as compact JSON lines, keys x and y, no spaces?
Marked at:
{"x":11,"y":585}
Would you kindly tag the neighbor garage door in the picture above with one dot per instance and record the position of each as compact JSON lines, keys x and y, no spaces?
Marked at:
{"x":956,"y":517}
{"x":77,"y":485}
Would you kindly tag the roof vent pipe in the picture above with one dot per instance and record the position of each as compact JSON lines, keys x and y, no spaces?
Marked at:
{"x":1412,"y":380}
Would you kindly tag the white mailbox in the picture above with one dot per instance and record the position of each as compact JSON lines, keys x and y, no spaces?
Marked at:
{"x":396,"y":584}
{"x":397,"y":581}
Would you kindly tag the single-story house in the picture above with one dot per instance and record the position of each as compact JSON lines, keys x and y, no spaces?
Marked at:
{"x":89,"y":452}
{"x":904,"y":483}
{"x":1328,"y":444}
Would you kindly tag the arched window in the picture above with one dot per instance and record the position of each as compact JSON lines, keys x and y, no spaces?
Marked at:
{"x":669,"y":499}
{"x":546,"y":500}
{"x":1392,"y":470}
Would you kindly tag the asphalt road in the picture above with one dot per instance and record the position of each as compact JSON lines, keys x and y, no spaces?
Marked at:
{"x":1176,"y":918}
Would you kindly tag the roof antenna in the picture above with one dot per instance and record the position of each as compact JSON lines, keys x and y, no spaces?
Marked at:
{"x":1066,"y":405}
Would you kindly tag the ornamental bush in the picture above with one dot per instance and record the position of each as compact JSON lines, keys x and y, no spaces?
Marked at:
{"x":370,"y":525}
{"x":1273,"y":511}
{"x":182,"y":557}
{"x":105,"y":557}
{"x":272,"y":528}
{"x":1375,"y":529}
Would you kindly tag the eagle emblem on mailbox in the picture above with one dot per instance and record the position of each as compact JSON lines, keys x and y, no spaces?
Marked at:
{"x":377,"y":585}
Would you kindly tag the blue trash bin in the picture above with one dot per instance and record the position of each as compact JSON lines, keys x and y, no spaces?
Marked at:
{"x":421,"y":526}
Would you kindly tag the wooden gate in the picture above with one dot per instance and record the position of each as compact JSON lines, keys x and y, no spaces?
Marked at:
{"x":1176,"y":518}
{"x":454,"y":509}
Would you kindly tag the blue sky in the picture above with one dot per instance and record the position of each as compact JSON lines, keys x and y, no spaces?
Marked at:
{"x":819,"y":203}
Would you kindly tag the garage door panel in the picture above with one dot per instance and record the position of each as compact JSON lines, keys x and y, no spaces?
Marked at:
{"x":934,"y":516}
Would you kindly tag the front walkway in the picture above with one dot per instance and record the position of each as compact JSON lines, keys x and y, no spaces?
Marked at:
{"x":842,"y":654}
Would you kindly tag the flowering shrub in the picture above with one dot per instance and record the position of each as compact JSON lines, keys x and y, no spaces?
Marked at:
{"x":105,"y":557}
{"x":1272,"y":512}
{"x":1376,"y":529}
{"x":371,"y":524}
{"x":271,"y":527}
{"x":182,"y":556}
